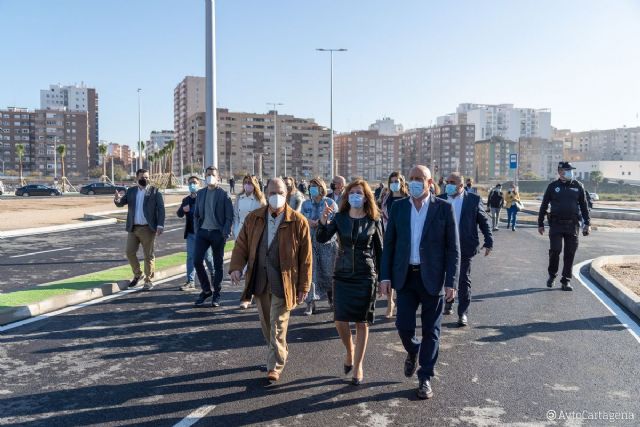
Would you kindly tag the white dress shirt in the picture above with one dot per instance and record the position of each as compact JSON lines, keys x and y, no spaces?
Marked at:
{"x":139,"y":218}
{"x":417,"y":225}
{"x":457,"y":205}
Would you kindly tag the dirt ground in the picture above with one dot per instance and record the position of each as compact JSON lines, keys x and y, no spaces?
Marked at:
{"x":627,"y":274}
{"x":18,"y":212}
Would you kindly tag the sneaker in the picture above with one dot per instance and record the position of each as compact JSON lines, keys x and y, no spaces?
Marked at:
{"x":424,"y":389}
{"x":410,"y":365}
{"x":513,"y":229}
{"x":202,"y":298}
{"x":148,"y":286}
{"x":215,"y":301}
{"x":311,"y":308}
{"x":134,"y":282}
{"x":189,"y":286}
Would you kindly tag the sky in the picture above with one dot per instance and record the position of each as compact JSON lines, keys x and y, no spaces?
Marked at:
{"x":411,"y":60}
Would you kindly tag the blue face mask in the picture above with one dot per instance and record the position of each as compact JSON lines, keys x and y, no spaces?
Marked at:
{"x":193,"y":187}
{"x":416,"y":189}
{"x":395,"y":186}
{"x":451,"y":189}
{"x":568,"y":174}
{"x":314,"y":192}
{"x":356,"y":200}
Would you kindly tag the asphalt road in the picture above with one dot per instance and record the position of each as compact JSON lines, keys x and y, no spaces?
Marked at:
{"x":32,"y":260}
{"x":152,"y":359}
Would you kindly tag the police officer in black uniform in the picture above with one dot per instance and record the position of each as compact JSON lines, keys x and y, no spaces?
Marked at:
{"x":568,"y":201}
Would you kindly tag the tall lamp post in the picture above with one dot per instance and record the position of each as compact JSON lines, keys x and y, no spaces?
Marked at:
{"x":331,"y":164}
{"x":211,"y":134}
{"x":139,"y":134}
{"x":275,"y":135}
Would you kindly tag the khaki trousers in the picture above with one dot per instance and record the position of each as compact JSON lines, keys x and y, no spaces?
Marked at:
{"x":274,"y":319}
{"x":144,"y":235}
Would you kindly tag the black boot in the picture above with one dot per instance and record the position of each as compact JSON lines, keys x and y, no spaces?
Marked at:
{"x":566,"y":286}
{"x":551,"y":281}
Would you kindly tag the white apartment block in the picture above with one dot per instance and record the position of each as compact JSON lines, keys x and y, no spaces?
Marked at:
{"x":614,"y":171}
{"x":501,"y":120}
{"x":386,"y":127}
{"x":608,"y":144}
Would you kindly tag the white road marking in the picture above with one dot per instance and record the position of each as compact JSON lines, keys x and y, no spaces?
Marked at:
{"x":174,"y":229}
{"x":195,"y":416}
{"x":81,"y":305}
{"x":41,"y":252}
{"x":610,"y":304}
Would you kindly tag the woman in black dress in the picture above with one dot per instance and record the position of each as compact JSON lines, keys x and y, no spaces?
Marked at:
{"x":359,"y":231}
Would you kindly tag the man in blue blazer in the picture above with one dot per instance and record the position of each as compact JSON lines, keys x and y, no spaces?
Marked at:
{"x":212,"y":219}
{"x":470,"y":215}
{"x":420,"y":260}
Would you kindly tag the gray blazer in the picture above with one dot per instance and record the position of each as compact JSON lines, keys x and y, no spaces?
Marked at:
{"x":153,"y":207}
{"x":439,"y":246}
{"x":223,"y":210}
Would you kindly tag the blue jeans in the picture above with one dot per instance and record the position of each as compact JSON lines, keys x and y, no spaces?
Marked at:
{"x":209,"y":240}
{"x":191,"y":247}
{"x":512,"y":213}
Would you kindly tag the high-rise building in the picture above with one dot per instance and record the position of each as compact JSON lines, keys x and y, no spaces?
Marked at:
{"x":386,"y":127}
{"x":188,"y":99}
{"x":366,"y":154}
{"x":158,"y":139}
{"x":503,"y":120}
{"x":492,"y":159}
{"x":608,"y":144}
{"x":41,"y":132}
{"x":453,"y":149}
{"x":76,"y":98}
{"x":416,"y":148}
{"x":539,"y":157}
{"x":245,"y":144}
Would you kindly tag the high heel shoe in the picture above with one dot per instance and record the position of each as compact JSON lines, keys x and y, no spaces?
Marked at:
{"x":347,"y":369}
{"x":356,"y":381}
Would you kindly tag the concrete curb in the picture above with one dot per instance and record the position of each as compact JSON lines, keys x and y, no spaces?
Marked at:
{"x":617,"y":290}
{"x":16,"y":314}
{"x":57,"y":228}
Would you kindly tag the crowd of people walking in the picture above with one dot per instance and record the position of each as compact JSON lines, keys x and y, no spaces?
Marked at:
{"x":411,"y":241}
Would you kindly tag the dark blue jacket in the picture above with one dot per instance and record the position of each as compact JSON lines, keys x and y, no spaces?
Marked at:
{"x":439,"y":247}
{"x":473,"y":215}
{"x":223,"y":210}
{"x":191,"y":202}
{"x":153,"y":207}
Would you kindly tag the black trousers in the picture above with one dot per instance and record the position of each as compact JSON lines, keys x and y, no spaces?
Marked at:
{"x":559,"y":233}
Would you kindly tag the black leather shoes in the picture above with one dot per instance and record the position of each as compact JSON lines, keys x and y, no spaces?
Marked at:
{"x":202,"y":298}
{"x":134,"y":282}
{"x":448,"y":308}
{"x":424,"y":389}
{"x":410,"y":365}
{"x":347,"y":369}
{"x":215,"y":300}
{"x":551,"y":281}
{"x":356,"y":381}
{"x":566,"y":286}
{"x":463,"y":321}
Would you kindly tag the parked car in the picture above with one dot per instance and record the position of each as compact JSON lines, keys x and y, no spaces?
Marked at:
{"x":1,"y":188}
{"x":594,"y":197}
{"x":37,"y":190}
{"x":101,"y":188}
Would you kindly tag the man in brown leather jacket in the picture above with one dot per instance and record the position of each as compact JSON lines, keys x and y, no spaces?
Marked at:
{"x":275,"y":246}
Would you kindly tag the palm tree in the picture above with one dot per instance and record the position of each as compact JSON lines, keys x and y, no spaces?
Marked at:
{"x":102,"y":148}
{"x":150,"y":159}
{"x":20,"y":154}
{"x":171,"y":147}
{"x":62,"y":150}
{"x":163,"y":156}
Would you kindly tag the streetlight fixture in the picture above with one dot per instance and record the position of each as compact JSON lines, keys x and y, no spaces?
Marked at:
{"x":331,"y":164}
{"x":275,"y":135}
{"x":211,"y":133}
{"x":139,"y":137}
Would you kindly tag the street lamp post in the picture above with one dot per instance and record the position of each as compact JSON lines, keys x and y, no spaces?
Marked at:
{"x":139,"y":134}
{"x":211,"y":135}
{"x":331,"y":164}
{"x":275,"y":135}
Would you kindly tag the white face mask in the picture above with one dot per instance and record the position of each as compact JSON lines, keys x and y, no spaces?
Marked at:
{"x":211,"y":180}
{"x":277,"y":201}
